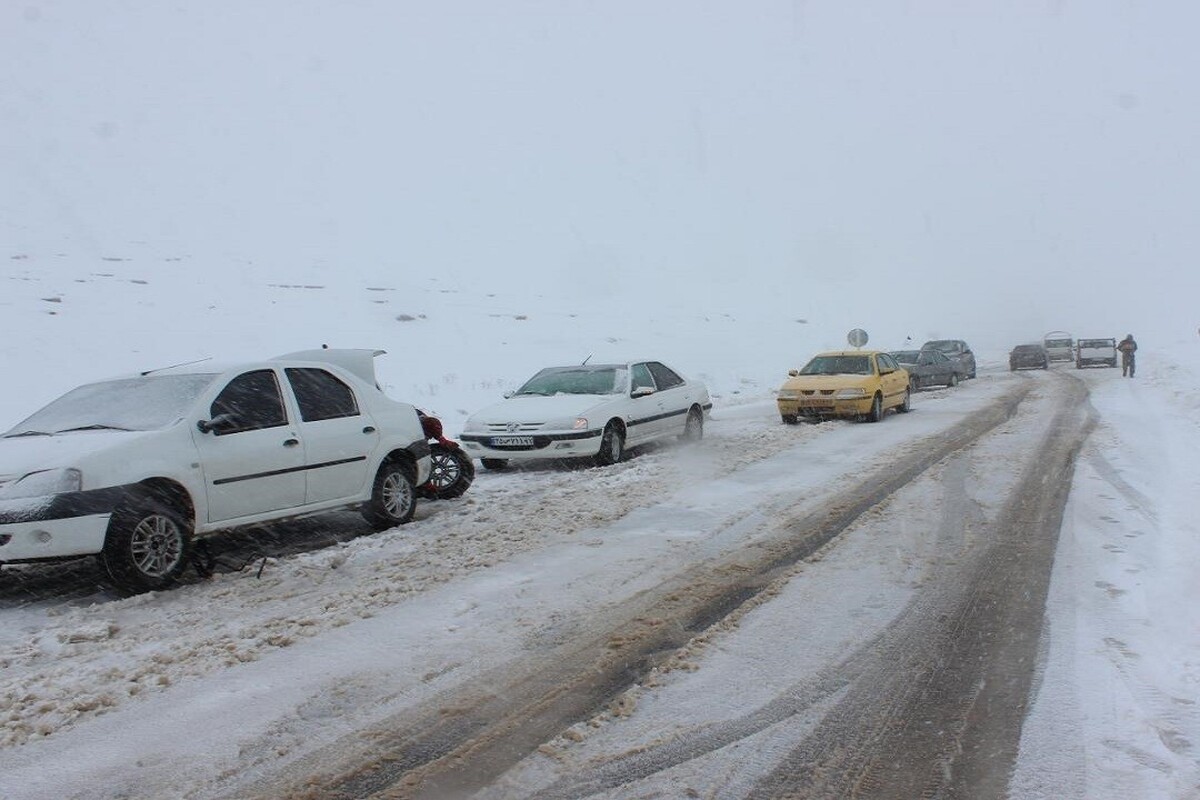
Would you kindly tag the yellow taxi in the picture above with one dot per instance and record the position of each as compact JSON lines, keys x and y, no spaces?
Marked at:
{"x":862,"y":384}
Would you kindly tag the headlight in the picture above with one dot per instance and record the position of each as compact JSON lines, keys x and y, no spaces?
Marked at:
{"x":580,"y":424}
{"x":850,"y":394}
{"x":788,"y":394}
{"x":42,"y":483}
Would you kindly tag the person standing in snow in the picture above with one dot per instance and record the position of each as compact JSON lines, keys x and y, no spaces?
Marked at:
{"x":1127,"y":347}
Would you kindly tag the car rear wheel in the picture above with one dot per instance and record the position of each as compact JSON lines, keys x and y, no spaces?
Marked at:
{"x":789,"y":419}
{"x":693,"y":428}
{"x":393,"y":497}
{"x":612,"y":446}
{"x":953,"y":381}
{"x":147,"y":547}
{"x":906,"y":406}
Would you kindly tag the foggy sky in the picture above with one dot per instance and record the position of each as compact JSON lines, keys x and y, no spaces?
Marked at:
{"x":941,"y":168}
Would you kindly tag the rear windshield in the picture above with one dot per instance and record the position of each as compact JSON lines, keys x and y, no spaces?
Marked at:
{"x":1058,"y":343}
{"x":1097,"y":342}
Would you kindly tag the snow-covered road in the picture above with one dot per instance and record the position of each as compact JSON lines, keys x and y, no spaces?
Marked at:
{"x":716,"y":660}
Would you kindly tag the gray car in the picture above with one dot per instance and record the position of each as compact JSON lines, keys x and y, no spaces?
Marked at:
{"x":956,"y":350}
{"x":929,"y":368}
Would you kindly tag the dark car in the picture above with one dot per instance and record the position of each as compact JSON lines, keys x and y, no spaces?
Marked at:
{"x":929,"y":368}
{"x":956,"y":350}
{"x":1028,"y":356}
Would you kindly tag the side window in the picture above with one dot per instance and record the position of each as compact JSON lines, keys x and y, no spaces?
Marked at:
{"x":321,"y":395}
{"x":886,"y":362}
{"x":639,"y":377}
{"x":252,"y":401}
{"x":664,"y":376}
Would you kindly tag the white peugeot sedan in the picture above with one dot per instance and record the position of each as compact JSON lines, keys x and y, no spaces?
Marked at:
{"x":132,"y":469}
{"x":594,"y":411}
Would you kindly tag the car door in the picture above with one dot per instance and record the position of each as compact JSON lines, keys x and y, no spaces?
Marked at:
{"x":940,"y":367}
{"x":338,"y":436}
{"x":674,"y":399}
{"x":644,"y":420}
{"x":893,"y":380}
{"x":250,"y":453}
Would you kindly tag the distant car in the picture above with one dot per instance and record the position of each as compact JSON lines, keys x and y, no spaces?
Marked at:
{"x":1060,"y":346}
{"x":1096,"y":352}
{"x":862,"y":384}
{"x":133,"y":468}
{"x":928,"y":368}
{"x":956,"y":350}
{"x":1028,"y":356}
{"x":594,"y":411}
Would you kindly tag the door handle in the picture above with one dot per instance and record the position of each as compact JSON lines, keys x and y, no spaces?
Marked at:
{"x":290,"y":442}
{"x":369,"y":429}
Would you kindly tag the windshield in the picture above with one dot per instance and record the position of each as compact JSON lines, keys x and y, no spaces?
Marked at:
{"x":577,"y":380}
{"x":838,"y":365}
{"x":906,"y":356}
{"x":944,"y":345}
{"x":132,"y":404}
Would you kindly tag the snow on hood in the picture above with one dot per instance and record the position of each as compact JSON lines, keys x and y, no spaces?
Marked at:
{"x":539,"y":408}
{"x":21,"y":455}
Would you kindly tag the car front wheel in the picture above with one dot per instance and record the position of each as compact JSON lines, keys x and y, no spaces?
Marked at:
{"x":393,"y":497}
{"x":612,"y":446}
{"x":953,"y":381}
{"x":876,"y":409}
{"x":147,"y":546}
{"x":494,"y":463}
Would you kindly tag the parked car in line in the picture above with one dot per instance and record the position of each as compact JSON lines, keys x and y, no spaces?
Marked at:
{"x":1028,"y":356}
{"x":956,"y":350}
{"x":1096,"y":352}
{"x":861,"y":384}
{"x":595,"y":411}
{"x":1060,"y":345}
{"x":133,"y":469}
{"x":929,"y":368}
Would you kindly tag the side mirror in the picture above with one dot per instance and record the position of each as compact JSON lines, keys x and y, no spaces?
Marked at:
{"x":642,"y":391}
{"x":216,"y":423}
{"x":508,"y":394}
{"x":793,"y":373}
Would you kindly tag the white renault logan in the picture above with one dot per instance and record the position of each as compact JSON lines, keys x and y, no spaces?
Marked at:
{"x":133,"y":468}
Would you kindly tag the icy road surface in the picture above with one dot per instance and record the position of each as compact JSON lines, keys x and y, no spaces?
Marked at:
{"x":834,"y":610}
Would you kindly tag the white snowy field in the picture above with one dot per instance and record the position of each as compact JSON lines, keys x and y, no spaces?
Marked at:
{"x":200,"y":691}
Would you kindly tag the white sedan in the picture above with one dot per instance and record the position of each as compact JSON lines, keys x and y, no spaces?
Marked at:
{"x":588,"y":411}
{"x":132,"y":469}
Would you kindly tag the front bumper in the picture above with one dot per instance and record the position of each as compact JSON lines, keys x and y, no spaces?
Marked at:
{"x":529,"y":447}
{"x":36,"y":540}
{"x":824,"y":407}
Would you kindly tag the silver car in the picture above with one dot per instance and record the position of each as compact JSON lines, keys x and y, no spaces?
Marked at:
{"x":956,"y":350}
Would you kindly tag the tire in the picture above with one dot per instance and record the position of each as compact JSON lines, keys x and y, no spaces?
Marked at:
{"x":693,"y":428}
{"x":393,"y":497}
{"x":147,"y":547}
{"x":876,"y":412}
{"x":906,"y":406}
{"x":612,"y":446}
{"x":451,"y":474}
{"x":494,"y":463}
{"x":914,"y":383}
{"x":953,"y":380}
{"x":790,"y":419}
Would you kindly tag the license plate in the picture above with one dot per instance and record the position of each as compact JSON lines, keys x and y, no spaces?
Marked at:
{"x":817,"y":403}
{"x":512,"y":441}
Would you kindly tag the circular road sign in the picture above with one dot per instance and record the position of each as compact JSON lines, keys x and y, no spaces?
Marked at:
{"x":857,"y":337}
